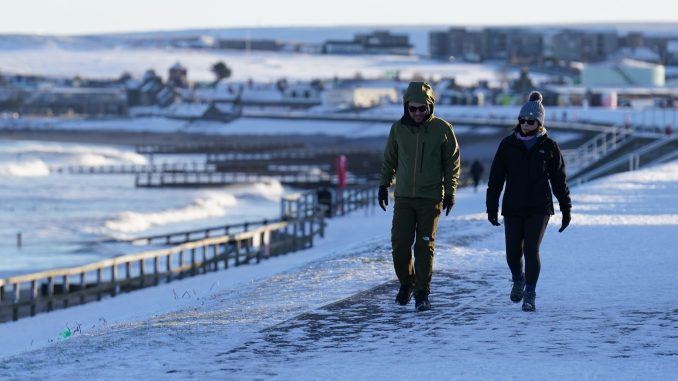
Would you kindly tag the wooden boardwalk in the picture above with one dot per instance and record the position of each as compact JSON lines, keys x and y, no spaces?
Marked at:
{"x":302,"y":219}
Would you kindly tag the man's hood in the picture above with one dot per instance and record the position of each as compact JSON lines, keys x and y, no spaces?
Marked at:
{"x":418,"y":92}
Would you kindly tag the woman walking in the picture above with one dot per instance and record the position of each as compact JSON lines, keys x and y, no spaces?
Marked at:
{"x":531,"y":165}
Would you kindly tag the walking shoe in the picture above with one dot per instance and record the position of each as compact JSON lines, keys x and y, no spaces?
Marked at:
{"x":528,"y":301}
{"x":517,"y":290}
{"x":404,"y":295}
{"x":422,"y":304}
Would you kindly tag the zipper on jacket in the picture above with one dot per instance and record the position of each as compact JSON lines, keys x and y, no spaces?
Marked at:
{"x":414,"y":171}
{"x":421,"y":163}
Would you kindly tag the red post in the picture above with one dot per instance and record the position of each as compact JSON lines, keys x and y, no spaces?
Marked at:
{"x":341,"y":183}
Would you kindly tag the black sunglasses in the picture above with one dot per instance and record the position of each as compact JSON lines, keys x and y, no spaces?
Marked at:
{"x":530,"y":122}
{"x":423,"y":108}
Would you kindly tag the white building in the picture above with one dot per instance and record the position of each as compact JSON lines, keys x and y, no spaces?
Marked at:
{"x":624,"y":73}
{"x":359,"y":97}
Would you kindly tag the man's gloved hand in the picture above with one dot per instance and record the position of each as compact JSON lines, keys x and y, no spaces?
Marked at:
{"x":567,"y":217}
{"x":493,"y":217}
{"x":383,"y":197}
{"x":448,"y":203}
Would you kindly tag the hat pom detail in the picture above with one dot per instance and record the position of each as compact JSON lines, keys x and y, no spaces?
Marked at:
{"x":536,"y":96}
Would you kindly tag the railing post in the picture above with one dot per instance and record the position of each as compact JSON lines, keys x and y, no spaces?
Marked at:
{"x":15,"y":301}
{"x":181,"y":264}
{"x":83,"y":286}
{"x":168,"y":267}
{"x":34,"y":296}
{"x":142,"y":272}
{"x":50,"y":293}
{"x":193,"y":268}
{"x":99,"y":283}
{"x":225,"y":252}
{"x":114,"y":279}
{"x":261,"y":246}
{"x":237,"y":252}
{"x":156,"y":276}
{"x":217,"y":252}
{"x":248,"y":245}
{"x":66,"y":289}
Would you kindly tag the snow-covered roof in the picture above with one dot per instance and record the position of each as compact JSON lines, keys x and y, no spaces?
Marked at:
{"x":187,"y":109}
{"x":628,"y":62}
{"x":642,"y":54}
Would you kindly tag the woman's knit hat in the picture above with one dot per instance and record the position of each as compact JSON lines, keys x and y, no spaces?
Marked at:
{"x":533,"y":109}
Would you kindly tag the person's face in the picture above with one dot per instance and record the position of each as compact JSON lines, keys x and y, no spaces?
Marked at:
{"x":528,"y":125}
{"x":418,"y":111}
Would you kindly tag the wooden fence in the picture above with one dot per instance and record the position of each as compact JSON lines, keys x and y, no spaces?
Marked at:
{"x":135,"y":168}
{"x":155,"y":149}
{"x":29,"y":294}
{"x":302,"y":218}
{"x":198,"y":179}
{"x":176,"y":238}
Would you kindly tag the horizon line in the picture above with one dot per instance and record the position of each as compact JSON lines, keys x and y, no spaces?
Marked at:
{"x":612,"y":24}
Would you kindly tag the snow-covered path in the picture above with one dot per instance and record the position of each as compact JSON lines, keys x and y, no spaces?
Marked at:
{"x":607,"y":306}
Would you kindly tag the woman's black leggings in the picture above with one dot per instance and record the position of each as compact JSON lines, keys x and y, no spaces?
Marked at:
{"x":523,"y":237}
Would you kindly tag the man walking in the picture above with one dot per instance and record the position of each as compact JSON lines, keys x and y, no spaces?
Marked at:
{"x":423,"y":157}
{"x":476,"y":171}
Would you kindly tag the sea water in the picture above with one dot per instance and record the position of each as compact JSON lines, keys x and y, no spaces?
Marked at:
{"x":66,"y":219}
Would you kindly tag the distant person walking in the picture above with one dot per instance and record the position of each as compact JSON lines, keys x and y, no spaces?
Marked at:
{"x":476,"y":171}
{"x":527,"y":161}
{"x":422,"y":155}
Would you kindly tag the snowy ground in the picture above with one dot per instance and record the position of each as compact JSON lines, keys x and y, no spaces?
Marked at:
{"x":606,"y":306}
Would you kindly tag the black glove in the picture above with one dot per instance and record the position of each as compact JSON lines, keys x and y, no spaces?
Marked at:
{"x":448,"y":203}
{"x":567,"y":217}
{"x":493,"y":217}
{"x":383,"y":197}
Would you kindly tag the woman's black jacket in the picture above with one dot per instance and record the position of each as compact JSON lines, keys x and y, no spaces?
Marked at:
{"x":527,"y":174}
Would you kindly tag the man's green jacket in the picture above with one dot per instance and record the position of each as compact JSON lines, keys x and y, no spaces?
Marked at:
{"x":424,"y":160}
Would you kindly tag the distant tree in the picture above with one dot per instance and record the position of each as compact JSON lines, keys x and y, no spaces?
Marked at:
{"x":317,"y":84}
{"x":124,"y":77}
{"x":523,"y":84}
{"x":221,"y":71}
{"x":281,"y":84}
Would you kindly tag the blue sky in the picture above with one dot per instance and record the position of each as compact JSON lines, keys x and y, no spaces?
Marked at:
{"x":96,"y":16}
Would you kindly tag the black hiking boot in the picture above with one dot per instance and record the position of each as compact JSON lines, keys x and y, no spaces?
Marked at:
{"x":529,"y":301}
{"x":422,"y":304}
{"x":404,"y":295}
{"x":517,"y":290}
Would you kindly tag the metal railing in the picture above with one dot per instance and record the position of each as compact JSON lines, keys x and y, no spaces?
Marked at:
{"x":597,"y":148}
{"x":631,"y":161}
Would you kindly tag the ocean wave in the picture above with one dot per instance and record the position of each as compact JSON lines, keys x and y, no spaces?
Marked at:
{"x":207,"y":204}
{"x":29,"y":168}
{"x":77,"y":154}
{"x":215,"y":205}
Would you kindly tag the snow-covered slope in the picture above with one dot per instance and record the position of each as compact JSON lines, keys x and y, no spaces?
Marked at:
{"x":606,"y":306}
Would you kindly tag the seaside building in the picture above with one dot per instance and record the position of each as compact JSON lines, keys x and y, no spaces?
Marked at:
{"x":378,"y":42}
